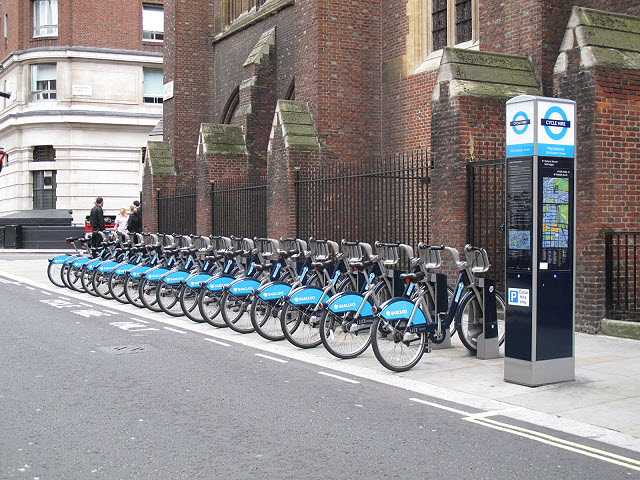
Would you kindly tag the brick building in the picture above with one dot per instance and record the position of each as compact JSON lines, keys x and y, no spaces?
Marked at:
{"x":275,"y":86}
{"x":84,"y":81}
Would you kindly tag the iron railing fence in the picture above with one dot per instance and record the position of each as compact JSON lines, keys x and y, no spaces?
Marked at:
{"x":239,"y":207}
{"x":486,"y":213}
{"x":177,"y":211}
{"x":386,"y":199}
{"x":622,"y":285}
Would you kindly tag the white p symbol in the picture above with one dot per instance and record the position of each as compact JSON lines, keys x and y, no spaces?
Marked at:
{"x":513,"y":296}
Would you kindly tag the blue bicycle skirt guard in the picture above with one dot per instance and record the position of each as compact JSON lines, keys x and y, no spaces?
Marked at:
{"x":93,"y":263}
{"x":175,"y":277}
{"x":274,"y":291}
{"x":59,"y":258}
{"x":106,"y":267}
{"x":122,"y":269}
{"x":78,"y":262}
{"x":216,"y":284}
{"x":349,"y":302}
{"x":306,"y":295}
{"x":401,"y":308}
{"x":243,"y":286}
{"x":139,"y":271}
{"x":155,"y":275}
{"x":196,"y":280}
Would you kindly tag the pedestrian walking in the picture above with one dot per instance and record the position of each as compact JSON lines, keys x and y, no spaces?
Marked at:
{"x":96,"y":217}
{"x":134,"y":224}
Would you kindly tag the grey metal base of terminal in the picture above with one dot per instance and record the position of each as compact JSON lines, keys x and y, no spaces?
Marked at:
{"x":446,"y":343}
{"x":543,"y":372}
{"x":487,"y":348}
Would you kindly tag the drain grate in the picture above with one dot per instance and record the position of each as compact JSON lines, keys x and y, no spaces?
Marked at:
{"x":125,"y":349}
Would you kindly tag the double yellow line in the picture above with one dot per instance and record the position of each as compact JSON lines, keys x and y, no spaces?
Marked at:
{"x":555,"y":442}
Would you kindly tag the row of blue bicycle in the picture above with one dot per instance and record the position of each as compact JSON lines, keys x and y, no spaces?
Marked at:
{"x":345,"y":296}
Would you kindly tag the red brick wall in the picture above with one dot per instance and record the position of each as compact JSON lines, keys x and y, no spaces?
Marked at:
{"x":115,"y":24}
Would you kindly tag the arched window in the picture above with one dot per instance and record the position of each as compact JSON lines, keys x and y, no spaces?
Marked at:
{"x":291,"y":91}
{"x":231,"y":106}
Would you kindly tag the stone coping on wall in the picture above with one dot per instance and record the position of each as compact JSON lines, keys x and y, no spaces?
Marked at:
{"x":262,"y":48}
{"x":298,"y":128}
{"x":620,"y":328}
{"x":604,"y":39}
{"x":160,"y":159}
{"x":485,"y":74}
{"x":252,"y":16}
{"x":221,"y":139}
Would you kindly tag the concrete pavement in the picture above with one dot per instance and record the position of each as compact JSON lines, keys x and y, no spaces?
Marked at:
{"x":603,"y":403}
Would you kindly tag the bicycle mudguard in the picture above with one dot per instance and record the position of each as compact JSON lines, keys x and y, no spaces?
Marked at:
{"x":305,"y":295}
{"x":108,"y":266}
{"x":274,"y":290}
{"x":60,"y":258}
{"x":155,"y":275}
{"x":216,"y":284}
{"x":172,"y":278}
{"x":194,"y":281}
{"x":122,"y":269}
{"x":92,"y":264}
{"x":349,"y":302}
{"x":243,"y":286}
{"x":398,"y":308}
{"x":79,"y":262}
{"x":69,"y":260}
{"x":139,"y":271}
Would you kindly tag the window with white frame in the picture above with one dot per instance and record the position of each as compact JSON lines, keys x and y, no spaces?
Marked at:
{"x":152,"y":22}
{"x":45,"y":18}
{"x":152,"y":86}
{"x":44,"y":189}
{"x":43,"y":81}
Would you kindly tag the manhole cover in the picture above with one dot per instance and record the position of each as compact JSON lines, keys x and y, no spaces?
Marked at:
{"x":124,"y":349}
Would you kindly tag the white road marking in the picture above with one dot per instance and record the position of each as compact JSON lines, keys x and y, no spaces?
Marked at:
{"x":323,"y":360}
{"x":344,"y":379}
{"x":441,"y":407}
{"x":138,"y":320}
{"x":271,"y":358}
{"x":217,"y":342}
{"x":175,"y":330}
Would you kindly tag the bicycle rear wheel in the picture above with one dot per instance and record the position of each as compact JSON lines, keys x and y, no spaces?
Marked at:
{"x":116,"y":287}
{"x":86,"y":278}
{"x":235,"y":310}
{"x":189,"y":303}
{"x":168,"y":298}
{"x":300,"y":325}
{"x":393,"y":349}
{"x":209,"y":306}
{"x":53,"y":272}
{"x":148,"y":296}
{"x":132,"y":291}
{"x":101,"y":284}
{"x":73,"y":279}
{"x":63,"y":274}
{"x":265,"y":318}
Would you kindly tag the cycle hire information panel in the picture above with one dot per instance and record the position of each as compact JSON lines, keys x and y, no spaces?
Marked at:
{"x":540,"y":240}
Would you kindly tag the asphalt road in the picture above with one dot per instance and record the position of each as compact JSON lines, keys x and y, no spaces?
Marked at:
{"x":88,"y":392}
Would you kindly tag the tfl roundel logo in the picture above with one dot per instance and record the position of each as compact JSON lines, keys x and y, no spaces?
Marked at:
{"x":520,"y":123}
{"x":562,"y":123}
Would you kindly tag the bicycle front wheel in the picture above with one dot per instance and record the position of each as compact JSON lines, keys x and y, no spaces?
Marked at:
{"x":394,"y":348}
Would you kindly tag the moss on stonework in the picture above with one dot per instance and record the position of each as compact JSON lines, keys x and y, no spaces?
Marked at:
{"x":160,"y":158}
{"x":298,"y":128}
{"x":222,"y":139}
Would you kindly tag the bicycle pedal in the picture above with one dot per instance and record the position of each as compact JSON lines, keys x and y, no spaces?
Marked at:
{"x":409,"y":337}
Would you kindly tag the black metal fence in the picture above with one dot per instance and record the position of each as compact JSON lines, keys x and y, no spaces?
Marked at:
{"x":387,"y":200}
{"x":177,"y":211}
{"x":622,"y":283}
{"x":486,"y":210}
{"x":239,"y":207}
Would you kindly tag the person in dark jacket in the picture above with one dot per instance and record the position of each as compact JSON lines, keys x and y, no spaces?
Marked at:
{"x":96,"y":217}
{"x":135,"y":222}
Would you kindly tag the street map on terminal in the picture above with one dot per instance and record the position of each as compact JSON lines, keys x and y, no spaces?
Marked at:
{"x":555,"y":212}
